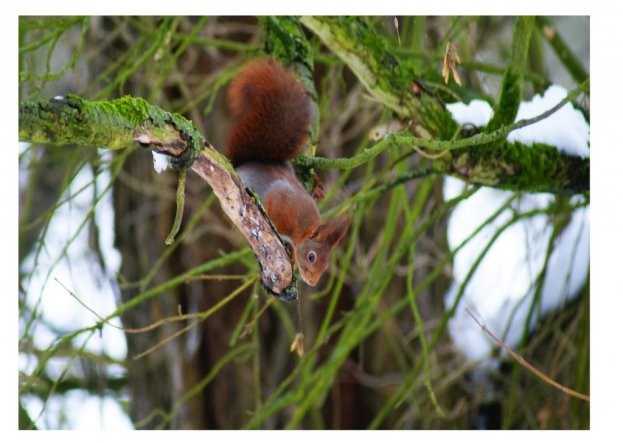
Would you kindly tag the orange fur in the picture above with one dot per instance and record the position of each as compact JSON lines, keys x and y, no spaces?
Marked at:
{"x":272,"y":115}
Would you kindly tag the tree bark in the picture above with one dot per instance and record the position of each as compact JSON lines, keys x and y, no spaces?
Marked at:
{"x":120,"y":123}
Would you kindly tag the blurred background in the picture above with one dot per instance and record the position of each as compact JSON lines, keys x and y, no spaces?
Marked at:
{"x":387,"y":343}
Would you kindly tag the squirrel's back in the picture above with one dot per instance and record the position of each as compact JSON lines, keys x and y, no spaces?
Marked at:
{"x":272,"y":114}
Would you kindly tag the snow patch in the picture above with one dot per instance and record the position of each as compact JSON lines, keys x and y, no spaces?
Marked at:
{"x":566,"y":129}
{"x":161,"y":161}
{"x":501,"y":290}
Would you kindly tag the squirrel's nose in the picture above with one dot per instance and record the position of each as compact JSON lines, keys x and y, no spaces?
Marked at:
{"x":310,"y":280}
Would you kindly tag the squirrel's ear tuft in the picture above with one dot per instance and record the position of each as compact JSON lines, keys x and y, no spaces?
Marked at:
{"x":333,"y":231}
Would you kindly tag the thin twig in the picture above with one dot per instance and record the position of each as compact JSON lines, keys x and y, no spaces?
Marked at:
{"x":249,"y":326}
{"x":179,"y":206}
{"x":156,"y":324}
{"x":527,"y":365}
{"x":147,"y":328}
{"x":427,"y":155}
{"x":201,"y":316}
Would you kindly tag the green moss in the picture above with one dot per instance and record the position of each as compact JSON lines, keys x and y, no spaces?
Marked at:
{"x":111,"y":124}
{"x":510,"y":93}
{"x":514,"y":166}
{"x":392,"y":81}
{"x":220,"y":159}
{"x":285,"y":41}
{"x":195,"y":141}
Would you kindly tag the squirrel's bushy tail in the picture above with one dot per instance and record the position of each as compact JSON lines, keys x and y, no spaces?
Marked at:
{"x":272,"y":114}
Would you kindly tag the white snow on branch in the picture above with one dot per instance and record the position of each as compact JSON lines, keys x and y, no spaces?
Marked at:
{"x":161,"y":161}
{"x":566,"y":129}
{"x":477,"y":112}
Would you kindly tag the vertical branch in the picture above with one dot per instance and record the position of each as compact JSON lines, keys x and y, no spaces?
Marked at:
{"x":287,"y":43}
{"x":510,"y":94}
{"x":179,"y":206}
{"x":562,"y":51}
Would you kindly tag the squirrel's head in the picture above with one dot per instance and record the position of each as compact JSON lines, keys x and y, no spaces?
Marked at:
{"x":312,"y":255}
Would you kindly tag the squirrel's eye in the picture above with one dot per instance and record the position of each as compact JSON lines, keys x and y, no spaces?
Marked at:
{"x":311,"y":257}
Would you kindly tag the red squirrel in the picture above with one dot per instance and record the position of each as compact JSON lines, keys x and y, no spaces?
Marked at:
{"x":272,"y":116}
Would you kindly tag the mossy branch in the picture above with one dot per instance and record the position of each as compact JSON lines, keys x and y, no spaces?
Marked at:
{"x":117,"y":124}
{"x":482,"y":159}
{"x":510,"y":93}
{"x":485,"y":158}
{"x":390,"y":80}
{"x":285,"y":41}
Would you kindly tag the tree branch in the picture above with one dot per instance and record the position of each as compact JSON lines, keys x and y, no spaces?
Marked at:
{"x":393,"y":82}
{"x":486,"y":158}
{"x":561,"y":49}
{"x":117,"y":124}
{"x":510,"y":93}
